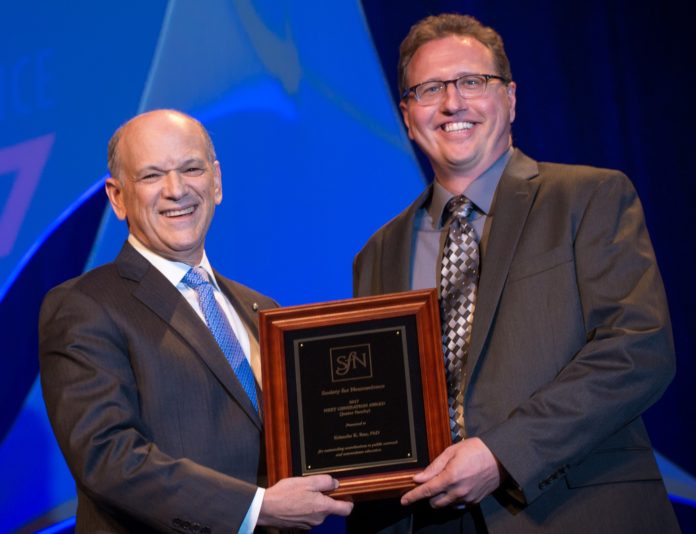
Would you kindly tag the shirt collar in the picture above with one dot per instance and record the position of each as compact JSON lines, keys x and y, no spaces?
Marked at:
{"x":480,"y":191}
{"x":174,"y":271}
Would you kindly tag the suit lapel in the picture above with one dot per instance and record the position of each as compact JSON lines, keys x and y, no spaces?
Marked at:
{"x":158,"y":294}
{"x":396,"y":262}
{"x":245,"y":309}
{"x":242,"y":305}
{"x":513,"y":200}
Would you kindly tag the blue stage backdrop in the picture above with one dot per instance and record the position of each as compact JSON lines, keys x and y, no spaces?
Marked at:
{"x":300,"y":99}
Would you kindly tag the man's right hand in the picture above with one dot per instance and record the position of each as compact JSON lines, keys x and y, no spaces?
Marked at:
{"x":299,"y":502}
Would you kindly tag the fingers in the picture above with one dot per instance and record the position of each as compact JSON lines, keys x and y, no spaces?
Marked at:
{"x":432,"y":483}
{"x":436,"y":467}
{"x":336,"y":507}
{"x":465,"y":472}
{"x":300,"y":502}
{"x":416,"y":494}
{"x":324,"y":483}
{"x":443,"y":499}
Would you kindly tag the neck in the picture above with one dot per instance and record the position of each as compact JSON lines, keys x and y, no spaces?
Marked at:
{"x":455,"y":184}
{"x":456,"y":180}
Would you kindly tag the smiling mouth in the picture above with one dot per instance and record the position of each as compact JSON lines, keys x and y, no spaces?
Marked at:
{"x":180,"y":212}
{"x":457,"y":126}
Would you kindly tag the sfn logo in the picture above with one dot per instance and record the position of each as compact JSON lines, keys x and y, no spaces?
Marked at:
{"x":351,"y":363}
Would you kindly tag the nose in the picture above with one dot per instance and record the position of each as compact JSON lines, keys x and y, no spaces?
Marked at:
{"x":174,"y":185}
{"x":453,"y":101}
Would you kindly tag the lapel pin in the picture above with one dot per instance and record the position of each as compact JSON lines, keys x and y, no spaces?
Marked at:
{"x":255,"y":306}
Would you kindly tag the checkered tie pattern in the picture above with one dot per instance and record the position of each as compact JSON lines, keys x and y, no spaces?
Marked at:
{"x":458,"y":283}
{"x":197,"y":279}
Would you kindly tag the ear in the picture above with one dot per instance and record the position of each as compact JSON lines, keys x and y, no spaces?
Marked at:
{"x":403,"y":106}
{"x":114,"y":190}
{"x":512,"y":99}
{"x":217,"y":182}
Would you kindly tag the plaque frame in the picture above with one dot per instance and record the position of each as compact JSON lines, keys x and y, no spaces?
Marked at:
{"x":421,"y":308}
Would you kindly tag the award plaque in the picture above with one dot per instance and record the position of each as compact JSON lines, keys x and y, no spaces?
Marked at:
{"x":355,"y":388}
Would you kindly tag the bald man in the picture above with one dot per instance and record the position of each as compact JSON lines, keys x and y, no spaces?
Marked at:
{"x":147,"y":400}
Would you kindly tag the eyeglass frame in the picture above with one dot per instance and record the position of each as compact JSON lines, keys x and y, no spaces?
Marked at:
{"x":454,"y":81}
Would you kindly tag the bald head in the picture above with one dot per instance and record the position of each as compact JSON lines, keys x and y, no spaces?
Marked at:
{"x":113,"y":155}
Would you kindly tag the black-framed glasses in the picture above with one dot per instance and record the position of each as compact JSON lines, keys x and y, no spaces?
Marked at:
{"x":468,"y":86}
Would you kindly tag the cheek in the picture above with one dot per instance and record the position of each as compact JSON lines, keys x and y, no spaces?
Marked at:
{"x":420,"y":123}
{"x":501,"y":111}
{"x":417,"y":120}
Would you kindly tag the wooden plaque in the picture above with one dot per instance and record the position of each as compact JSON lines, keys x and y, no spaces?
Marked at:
{"x":355,"y":388}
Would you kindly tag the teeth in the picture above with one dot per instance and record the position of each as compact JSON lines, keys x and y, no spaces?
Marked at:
{"x":178,"y":213}
{"x":457,"y":126}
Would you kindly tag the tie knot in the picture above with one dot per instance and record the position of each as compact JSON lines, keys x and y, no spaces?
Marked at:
{"x":459,"y":207}
{"x":195,"y":277}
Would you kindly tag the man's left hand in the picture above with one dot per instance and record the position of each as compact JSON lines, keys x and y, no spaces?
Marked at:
{"x":464,"y":473}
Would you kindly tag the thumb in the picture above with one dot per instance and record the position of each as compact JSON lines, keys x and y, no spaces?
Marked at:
{"x":436,"y":467}
{"x":321,"y":483}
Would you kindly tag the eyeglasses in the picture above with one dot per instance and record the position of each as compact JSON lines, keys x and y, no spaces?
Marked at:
{"x":468,"y":86}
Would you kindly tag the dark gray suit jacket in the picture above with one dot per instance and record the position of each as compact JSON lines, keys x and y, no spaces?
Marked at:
{"x":156,"y":429}
{"x":571,"y":342}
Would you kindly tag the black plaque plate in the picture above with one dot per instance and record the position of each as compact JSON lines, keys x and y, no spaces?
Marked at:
{"x":354,"y":400}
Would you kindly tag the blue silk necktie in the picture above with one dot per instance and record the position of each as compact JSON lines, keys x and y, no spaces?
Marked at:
{"x":197,"y":279}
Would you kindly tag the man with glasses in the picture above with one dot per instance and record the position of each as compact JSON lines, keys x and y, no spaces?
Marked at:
{"x":556,"y":334}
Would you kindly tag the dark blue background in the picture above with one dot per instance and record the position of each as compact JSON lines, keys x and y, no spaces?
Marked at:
{"x":301,"y":103}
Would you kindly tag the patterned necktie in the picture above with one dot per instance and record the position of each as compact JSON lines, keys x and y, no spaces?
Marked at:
{"x":197,"y":279}
{"x":458,"y":283}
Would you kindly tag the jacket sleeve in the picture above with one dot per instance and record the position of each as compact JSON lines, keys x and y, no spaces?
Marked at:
{"x":92,"y":397}
{"x":623,"y":367}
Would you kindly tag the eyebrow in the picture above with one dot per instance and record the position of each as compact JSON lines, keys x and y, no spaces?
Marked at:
{"x":157,"y":168}
{"x":456,"y":77}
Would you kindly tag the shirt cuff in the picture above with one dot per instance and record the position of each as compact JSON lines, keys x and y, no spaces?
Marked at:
{"x":252,"y":515}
